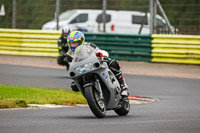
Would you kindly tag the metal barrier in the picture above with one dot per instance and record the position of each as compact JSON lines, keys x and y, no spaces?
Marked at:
{"x":29,"y":42}
{"x":44,"y":43}
{"x":123,"y":47}
{"x":176,"y":48}
{"x":163,"y":48}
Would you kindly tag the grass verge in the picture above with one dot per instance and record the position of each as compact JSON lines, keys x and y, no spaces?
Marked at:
{"x":19,"y":96}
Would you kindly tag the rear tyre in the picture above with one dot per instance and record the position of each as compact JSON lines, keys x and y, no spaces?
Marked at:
{"x":124,"y":109}
{"x":96,"y":104}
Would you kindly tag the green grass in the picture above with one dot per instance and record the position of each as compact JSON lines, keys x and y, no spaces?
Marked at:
{"x":18,"y":96}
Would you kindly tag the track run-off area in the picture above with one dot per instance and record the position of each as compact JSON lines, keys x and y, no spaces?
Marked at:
{"x":176,"y":109}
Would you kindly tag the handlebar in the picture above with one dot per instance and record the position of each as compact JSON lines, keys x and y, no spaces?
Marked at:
{"x":103,"y":59}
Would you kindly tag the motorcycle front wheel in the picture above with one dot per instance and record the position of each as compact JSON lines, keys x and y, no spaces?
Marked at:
{"x":96,"y":104}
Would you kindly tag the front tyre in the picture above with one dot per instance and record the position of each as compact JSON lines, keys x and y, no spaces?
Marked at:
{"x":124,"y":109}
{"x":96,"y":104}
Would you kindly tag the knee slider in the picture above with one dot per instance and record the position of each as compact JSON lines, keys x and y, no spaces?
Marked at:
{"x":60,"y":61}
{"x":74,"y":87}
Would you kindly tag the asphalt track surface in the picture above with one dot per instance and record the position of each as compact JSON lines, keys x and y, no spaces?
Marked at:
{"x":176,"y":111}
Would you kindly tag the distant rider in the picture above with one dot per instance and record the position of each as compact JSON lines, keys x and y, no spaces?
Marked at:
{"x":63,"y":48}
{"x":77,"y":38}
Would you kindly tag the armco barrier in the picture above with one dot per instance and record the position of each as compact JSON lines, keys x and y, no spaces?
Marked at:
{"x":44,"y":43}
{"x":123,"y":47}
{"x":176,"y":48}
{"x":164,"y":48}
{"x":29,"y":42}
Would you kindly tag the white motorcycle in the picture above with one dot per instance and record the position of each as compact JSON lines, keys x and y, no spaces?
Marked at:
{"x":97,"y":83}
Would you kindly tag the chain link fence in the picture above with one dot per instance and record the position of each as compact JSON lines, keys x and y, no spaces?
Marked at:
{"x":183,"y":15}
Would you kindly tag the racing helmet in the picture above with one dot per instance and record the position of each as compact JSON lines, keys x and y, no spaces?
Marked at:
{"x":65,"y":32}
{"x":75,"y":36}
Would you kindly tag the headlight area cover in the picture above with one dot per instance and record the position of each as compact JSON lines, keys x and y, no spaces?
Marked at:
{"x":83,"y":68}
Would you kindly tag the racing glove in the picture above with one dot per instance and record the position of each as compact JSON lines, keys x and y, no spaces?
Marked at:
{"x":102,"y":54}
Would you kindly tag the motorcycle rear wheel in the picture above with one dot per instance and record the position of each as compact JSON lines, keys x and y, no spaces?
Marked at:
{"x":124,"y":109}
{"x":96,"y":104}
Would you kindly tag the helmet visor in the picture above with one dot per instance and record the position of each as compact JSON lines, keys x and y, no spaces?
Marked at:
{"x":73,"y":45}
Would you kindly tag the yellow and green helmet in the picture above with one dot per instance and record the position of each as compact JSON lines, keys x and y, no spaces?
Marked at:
{"x":76,"y":36}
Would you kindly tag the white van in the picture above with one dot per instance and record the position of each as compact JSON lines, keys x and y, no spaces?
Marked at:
{"x":123,"y":22}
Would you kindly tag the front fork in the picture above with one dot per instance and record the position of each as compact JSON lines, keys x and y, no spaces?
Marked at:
{"x":96,"y":85}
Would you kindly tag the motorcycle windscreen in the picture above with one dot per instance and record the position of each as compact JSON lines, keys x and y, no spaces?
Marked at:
{"x":82,"y":52}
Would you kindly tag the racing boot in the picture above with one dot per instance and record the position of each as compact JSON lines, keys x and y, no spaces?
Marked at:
{"x":124,"y":88}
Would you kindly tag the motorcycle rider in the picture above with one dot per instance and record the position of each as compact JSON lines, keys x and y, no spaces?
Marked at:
{"x":63,"y":48}
{"x":77,"y":38}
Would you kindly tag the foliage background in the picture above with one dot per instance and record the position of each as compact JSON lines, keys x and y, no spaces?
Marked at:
{"x":32,"y":14}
